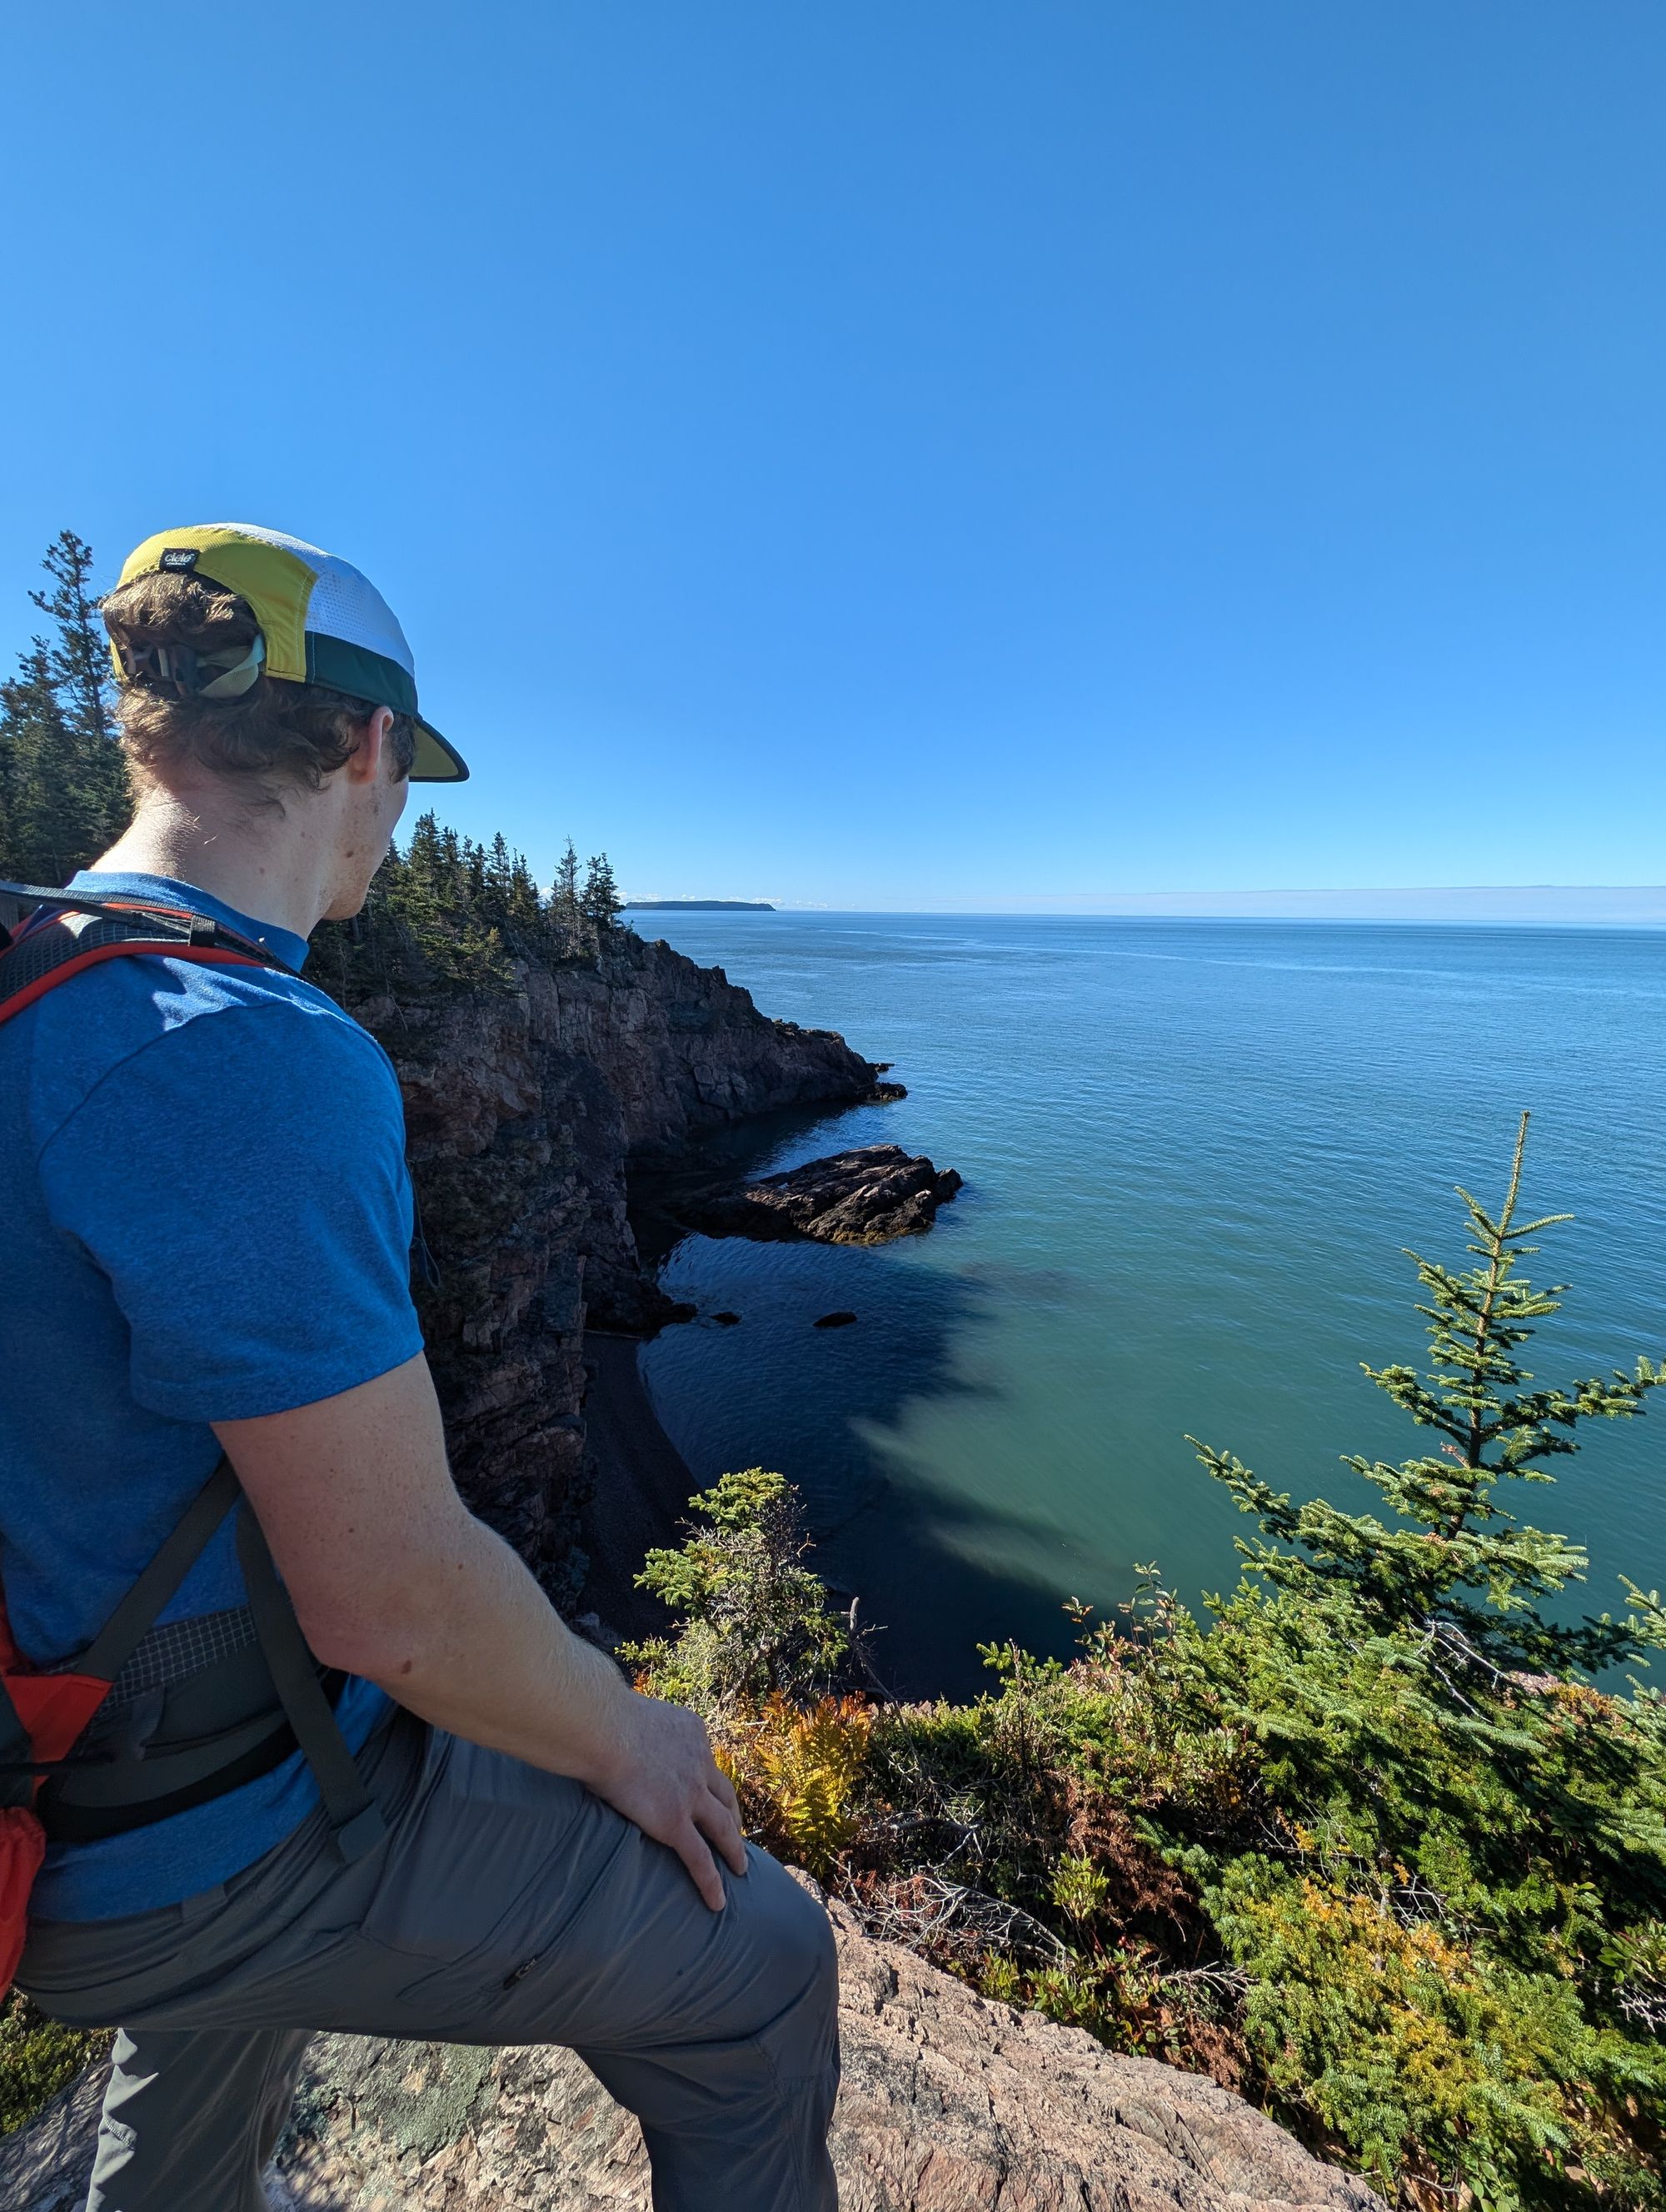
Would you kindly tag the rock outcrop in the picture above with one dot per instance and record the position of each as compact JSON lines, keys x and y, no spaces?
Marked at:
{"x":949,"y":2104}
{"x":866,"y":1196}
{"x":523,"y":1111}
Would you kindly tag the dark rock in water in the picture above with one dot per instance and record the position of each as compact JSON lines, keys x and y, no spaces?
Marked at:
{"x":727,"y":1320}
{"x":842,"y":1319}
{"x":862,"y":1197}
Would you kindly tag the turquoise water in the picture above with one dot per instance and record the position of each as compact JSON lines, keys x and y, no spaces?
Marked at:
{"x":1193,"y":1152}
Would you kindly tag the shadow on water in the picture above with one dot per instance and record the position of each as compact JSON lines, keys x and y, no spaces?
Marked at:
{"x":830,"y":1409}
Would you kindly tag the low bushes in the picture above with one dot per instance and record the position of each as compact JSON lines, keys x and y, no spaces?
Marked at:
{"x":38,"y":2057}
{"x":1367,"y":1844}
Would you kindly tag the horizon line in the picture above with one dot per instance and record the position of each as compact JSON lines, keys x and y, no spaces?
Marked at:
{"x":1591,"y":903}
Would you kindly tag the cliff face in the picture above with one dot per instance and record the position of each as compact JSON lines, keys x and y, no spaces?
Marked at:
{"x":523,"y":1110}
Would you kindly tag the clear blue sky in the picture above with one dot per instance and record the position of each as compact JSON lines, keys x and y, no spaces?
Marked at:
{"x":905,"y":452}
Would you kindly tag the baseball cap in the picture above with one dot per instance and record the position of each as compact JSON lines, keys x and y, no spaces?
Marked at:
{"x":321,"y":622}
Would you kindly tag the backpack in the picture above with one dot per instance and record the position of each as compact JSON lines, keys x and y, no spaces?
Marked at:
{"x":225,"y":1709}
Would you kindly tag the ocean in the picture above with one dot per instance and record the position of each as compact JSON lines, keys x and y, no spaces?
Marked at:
{"x":1193,"y":1153}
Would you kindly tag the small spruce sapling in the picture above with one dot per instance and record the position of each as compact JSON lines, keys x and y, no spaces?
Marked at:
{"x":754,"y":1621}
{"x":1455,"y":1563}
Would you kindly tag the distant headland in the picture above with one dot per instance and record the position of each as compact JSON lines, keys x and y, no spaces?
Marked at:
{"x":699,"y":906}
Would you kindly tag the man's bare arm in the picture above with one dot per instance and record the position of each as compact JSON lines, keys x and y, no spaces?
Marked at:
{"x":394,"y":1579}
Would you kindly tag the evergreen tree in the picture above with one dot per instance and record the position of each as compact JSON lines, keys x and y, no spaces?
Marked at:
{"x":564,"y":894}
{"x":42,"y":825}
{"x":482,"y":890}
{"x":499,"y":871}
{"x":1455,"y":1563}
{"x":599,"y":901}
{"x":64,"y":793}
{"x":79,"y":657}
{"x":526,"y":907}
{"x":422,"y":862}
{"x":451,"y":874}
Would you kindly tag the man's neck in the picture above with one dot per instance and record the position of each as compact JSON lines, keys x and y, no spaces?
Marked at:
{"x":276,"y":868}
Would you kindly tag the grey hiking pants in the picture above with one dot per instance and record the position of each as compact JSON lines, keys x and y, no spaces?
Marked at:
{"x":506,"y":1905}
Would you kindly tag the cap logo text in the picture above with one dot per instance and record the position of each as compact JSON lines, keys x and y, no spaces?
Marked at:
{"x":178,"y":556}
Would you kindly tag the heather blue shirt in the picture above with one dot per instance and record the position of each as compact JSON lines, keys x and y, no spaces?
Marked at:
{"x":206,"y":1217}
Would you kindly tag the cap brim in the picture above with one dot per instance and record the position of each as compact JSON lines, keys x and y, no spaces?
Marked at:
{"x":436,"y":760}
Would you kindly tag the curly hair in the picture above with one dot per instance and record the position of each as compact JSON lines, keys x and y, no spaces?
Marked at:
{"x":278,"y":733}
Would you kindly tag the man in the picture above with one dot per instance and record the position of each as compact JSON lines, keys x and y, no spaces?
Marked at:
{"x":205,"y":1243}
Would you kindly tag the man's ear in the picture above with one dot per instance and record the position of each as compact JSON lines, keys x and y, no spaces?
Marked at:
{"x":364,"y":763}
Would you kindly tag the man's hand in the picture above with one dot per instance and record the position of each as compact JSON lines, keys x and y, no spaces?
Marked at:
{"x":394,"y":1578}
{"x":663,"y":1777}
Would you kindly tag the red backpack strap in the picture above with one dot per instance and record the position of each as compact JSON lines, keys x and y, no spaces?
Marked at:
{"x":45,"y":947}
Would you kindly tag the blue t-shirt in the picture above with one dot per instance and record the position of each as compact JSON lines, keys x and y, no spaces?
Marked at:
{"x":207,"y":1217}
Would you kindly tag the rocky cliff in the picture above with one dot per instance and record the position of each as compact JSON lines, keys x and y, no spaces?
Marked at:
{"x":948,"y":2103}
{"x":523,"y":1110}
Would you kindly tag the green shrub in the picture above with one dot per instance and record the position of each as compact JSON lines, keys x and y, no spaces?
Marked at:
{"x":1375,"y":1842}
{"x":755,"y":1621}
{"x":38,"y":2057}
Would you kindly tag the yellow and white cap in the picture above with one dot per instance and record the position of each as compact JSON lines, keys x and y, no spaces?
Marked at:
{"x":321,"y":622}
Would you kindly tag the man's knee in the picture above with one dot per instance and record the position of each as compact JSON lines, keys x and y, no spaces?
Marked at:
{"x":803,"y":1956}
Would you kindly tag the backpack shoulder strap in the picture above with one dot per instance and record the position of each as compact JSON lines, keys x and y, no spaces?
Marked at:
{"x":135,"y":1614}
{"x":43,"y":1715}
{"x":355,"y":1818}
{"x":48,"y":936}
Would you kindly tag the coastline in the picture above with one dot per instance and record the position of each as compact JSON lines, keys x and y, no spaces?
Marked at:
{"x":641,"y":1492}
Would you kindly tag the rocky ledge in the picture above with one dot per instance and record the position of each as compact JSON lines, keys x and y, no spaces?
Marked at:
{"x":867,"y":1196}
{"x":949,"y":2104}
